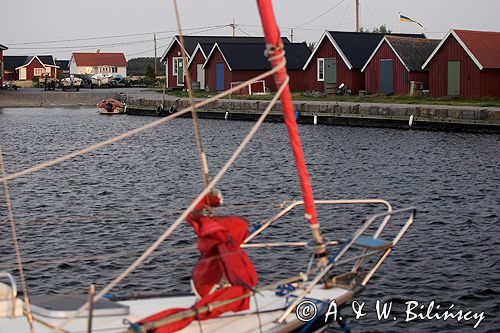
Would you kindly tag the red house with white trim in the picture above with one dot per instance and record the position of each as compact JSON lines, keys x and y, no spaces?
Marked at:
{"x":27,"y":67}
{"x":2,"y":48}
{"x":396,"y":62}
{"x":338,"y":58}
{"x":466,"y":64}
{"x":231,"y":63}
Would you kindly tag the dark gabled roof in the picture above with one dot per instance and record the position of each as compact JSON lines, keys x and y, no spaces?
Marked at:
{"x":3,"y":47}
{"x":251,"y":56}
{"x":63,"y":64}
{"x":206,"y":47}
{"x":358,"y":47}
{"x":47,"y":60}
{"x":191,"y":41}
{"x":413,"y":51}
{"x":207,"y":42}
{"x":12,"y":62}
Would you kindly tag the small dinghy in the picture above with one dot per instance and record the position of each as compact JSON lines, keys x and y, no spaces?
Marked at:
{"x":111,"y":106}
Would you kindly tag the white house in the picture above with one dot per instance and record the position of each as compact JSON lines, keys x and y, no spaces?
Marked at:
{"x":94,"y":63}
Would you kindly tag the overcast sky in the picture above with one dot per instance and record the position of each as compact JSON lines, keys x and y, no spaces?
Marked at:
{"x":29,"y":21}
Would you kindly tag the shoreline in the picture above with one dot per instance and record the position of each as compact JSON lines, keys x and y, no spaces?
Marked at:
{"x":146,"y":102}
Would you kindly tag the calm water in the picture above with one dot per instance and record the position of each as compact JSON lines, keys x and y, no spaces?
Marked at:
{"x":85,"y":220}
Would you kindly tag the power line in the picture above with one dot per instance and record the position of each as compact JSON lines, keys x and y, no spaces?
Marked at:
{"x":239,"y":29}
{"x":151,"y":50}
{"x":317,"y":17}
{"x":371,"y":13}
{"x":114,"y":36}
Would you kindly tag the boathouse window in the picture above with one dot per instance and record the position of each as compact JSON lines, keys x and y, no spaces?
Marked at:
{"x":38,"y":71}
{"x":175,"y":65}
{"x":321,"y":69}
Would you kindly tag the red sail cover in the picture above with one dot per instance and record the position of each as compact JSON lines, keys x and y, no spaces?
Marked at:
{"x":219,"y":240}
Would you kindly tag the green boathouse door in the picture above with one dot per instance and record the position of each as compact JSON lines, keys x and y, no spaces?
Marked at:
{"x":330,"y":75}
{"x":453,"y":78}
{"x":180,"y":73}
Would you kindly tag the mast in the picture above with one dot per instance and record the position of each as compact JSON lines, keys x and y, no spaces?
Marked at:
{"x":274,"y":42}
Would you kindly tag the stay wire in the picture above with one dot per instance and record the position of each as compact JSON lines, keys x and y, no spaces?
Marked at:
{"x":17,"y":248}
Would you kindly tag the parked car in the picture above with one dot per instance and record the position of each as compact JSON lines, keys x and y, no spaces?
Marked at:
{"x":9,"y":86}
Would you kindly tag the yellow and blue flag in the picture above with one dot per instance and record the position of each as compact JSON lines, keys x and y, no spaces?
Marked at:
{"x":403,"y":18}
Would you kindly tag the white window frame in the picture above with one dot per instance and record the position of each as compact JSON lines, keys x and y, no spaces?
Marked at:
{"x":174,"y":65}
{"x":38,"y":71}
{"x":320,"y":76}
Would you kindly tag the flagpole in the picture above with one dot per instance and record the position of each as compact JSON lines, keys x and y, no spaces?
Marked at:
{"x":399,"y":22}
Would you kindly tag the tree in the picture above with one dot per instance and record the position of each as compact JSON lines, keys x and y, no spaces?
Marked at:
{"x":311,"y":46}
{"x":382,"y":29}
{"x":150,"y":72}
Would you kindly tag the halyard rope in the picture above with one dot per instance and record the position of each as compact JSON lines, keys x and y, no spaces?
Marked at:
{"x":183,"y":216}
{"x":16,"y":243}
{"x":199,"y":145}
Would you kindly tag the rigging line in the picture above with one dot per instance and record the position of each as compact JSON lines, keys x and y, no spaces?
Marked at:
{"x":114,"y":36}
{"x":16,"y":243}
{"x":195,"y":202}
{"x":196,"y":124}
{"x":317,"y":17}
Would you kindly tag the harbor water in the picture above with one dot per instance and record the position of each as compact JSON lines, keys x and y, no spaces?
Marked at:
{"x":85,"y":220}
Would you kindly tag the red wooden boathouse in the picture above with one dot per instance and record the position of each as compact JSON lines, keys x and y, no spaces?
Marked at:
{"x":338,"y":58}
{"x":231,"y":63}
{"x":466,"y":64}
{"x":197,"y":49}
{"x":396,"y":62}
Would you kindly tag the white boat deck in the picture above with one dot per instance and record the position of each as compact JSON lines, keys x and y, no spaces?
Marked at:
{"x":245,"y":321}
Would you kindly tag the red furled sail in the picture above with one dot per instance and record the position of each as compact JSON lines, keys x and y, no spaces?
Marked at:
{"x":219,"y":240}
{"x":222,"y":261}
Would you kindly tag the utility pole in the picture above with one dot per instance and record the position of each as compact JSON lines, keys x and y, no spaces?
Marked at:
{"x":234,"y":26}
{"x":357,"y":17}
{"x":291,"y":35}
{"x":156,"y":66}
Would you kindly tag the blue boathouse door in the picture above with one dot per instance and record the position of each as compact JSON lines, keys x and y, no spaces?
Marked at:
{"x":219,"y":73}
{"x":386,"y":77}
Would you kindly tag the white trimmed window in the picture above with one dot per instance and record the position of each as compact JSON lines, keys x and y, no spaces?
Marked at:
{"x":321,"y":69}
{"x":175,"y":63}
{"x":38,"y":71}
